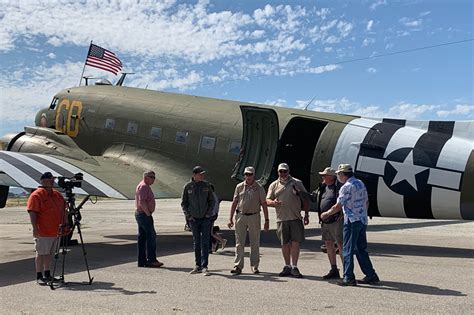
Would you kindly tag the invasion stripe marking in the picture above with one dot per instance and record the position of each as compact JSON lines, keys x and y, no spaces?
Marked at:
{"x":404,"y":138}
{"x":445,"y":204}
{"x":106,"y":189}
{"x":19,"y":176}
{"x":426,"y":152}
{"x":33,"y":168}
{"x":376,"y":142}
{"x":390,"y":204}
{"x":88,"y":187}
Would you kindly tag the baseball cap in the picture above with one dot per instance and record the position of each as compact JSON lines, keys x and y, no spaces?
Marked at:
{"x":47,"y":175}
{"x":328,"y":171}
{"x":249,"y":170}
{"x":149,"y":174}
{"x":344,"y":168}
{"x":198,"y":170}
{"x":283,"y":166}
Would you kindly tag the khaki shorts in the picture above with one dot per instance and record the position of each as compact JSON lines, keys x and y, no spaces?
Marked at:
{"x":45,"y":245}
{"x":290,"y":231}
{"x":332,"y":231}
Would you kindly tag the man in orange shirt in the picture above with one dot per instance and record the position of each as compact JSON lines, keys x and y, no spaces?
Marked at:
{"x":47,"y":210}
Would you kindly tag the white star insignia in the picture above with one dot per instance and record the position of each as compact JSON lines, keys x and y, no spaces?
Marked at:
{"x":407,"y":171}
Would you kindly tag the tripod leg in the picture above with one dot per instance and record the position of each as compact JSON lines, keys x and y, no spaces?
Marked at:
{"x":84,"y":252}
{"x":58,"y":248}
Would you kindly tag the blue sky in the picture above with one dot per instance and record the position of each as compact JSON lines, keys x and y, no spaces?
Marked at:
{"x":282,"y":53}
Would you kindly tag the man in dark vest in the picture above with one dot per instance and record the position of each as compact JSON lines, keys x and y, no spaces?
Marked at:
{"x":332,"y":226}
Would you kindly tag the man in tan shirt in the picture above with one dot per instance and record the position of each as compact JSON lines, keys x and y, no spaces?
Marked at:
{"x":284,"y":195}
{"x":249,"y":198}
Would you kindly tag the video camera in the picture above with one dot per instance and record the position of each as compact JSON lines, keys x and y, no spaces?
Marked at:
{"x":69,"y":183}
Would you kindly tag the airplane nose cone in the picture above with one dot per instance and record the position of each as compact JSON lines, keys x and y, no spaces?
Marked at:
{"x":45,"y":118}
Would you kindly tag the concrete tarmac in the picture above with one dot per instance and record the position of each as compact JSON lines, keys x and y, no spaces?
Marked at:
{"x":426,"y":266}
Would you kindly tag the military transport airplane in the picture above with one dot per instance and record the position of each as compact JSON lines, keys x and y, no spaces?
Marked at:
{"x":414,"y":169}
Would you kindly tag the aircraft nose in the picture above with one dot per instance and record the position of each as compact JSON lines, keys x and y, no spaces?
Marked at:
{"x":45,"y":118}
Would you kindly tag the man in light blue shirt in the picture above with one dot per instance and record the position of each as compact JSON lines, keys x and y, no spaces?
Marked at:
{"x":354,"y":202}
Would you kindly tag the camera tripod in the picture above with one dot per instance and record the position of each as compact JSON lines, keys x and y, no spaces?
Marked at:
{"x":73,"y":221}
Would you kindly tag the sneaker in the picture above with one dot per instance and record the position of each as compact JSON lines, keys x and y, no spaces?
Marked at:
{"x":42,"y":281}
{"x":196,"y":269}
{"x":255,"y":270}
{"x":285,"y":272}
{"x":332,"y":274}
{"x":372,"y":280}
{"x":344,"y":283}
{"x":53,"y":280}
{"x":205,"y":272}
{"x":296,"y":273}
{"x":224,"y":242}
{"x":236,"y":271}
{"x":155,"y":264}
{"x":187,"y":228}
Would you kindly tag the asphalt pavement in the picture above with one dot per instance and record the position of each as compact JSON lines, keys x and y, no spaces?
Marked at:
{"x":425,"y":266}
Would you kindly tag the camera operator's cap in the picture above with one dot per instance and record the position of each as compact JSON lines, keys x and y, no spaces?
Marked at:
{"x":47,"y":175}
{"x":344,"y":168}
{"x":198,"y":170}
{"x":328,"y":171}
{"x":283,"y":166}
{"x":249,"y":170}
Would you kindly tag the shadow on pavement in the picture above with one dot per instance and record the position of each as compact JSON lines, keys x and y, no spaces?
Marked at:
{"x":412,"y":288}
{"x":98,"y":286}
{"x":111,"y":253}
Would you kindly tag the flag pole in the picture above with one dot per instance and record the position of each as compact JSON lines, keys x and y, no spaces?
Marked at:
{"x":83,"y":68}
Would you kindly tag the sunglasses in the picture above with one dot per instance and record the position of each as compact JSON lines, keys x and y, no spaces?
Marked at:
{"x":248,"y":174}
{"x":282,"y":171}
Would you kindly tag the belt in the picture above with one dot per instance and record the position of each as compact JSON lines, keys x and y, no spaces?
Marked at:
{"x":238,"y":211}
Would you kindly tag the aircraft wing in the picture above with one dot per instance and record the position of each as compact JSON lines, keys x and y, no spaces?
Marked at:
{"x":104,"y":176}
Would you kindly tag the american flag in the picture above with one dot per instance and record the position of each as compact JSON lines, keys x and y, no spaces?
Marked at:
{"x":104,"y":59}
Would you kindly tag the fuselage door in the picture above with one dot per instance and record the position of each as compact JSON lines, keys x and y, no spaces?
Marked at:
{"x":259,"y":142}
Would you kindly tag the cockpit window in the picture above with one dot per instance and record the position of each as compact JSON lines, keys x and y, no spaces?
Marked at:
{"x":54,"y":103}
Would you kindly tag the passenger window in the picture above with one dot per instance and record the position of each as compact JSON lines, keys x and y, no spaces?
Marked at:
{"x":132,"y":128}
{"x":110,"y":124}
{"x":208,"y":143}
{"x":182,"y":137}
{"x":54,"y":103}
{"x":155,"y":133}
{"x":234,"y":147}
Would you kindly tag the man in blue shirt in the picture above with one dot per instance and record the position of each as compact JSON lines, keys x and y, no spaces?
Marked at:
{"x":354,"y":202}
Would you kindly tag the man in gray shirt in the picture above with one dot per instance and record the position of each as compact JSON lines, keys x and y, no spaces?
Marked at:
{"x":331,"y":227}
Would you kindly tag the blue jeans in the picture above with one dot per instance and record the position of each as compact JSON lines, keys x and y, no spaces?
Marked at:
{"x":201,"y":238}
{"x":146,"y":239}
{"x":355,"y":242}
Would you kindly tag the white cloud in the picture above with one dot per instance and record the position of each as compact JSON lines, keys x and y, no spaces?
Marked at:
{"x":461,"y":109}
{"x":52,"y":56}
{"x":368,"y":41}
{"x":189,"y":32}
{"x":410,"y":22}
{"x":371,"y":70}
{"x":377,"y":3}
{"x":410,"y":111}
{"x":28,"y":90}
{"x":369,"y":25}
{"x":323,"y":13}
{"x":425,"y":13}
